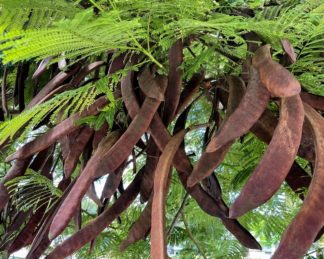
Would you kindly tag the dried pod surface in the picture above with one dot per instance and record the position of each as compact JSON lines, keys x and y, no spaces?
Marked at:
{"x":310,"y":219}
{"x":161,"y":137}
{"x":51,"y":85}
{"x":276,"y":162}
{"x":189,"y":92}
{"x":210,"y":160}
{"x":316,"y":101}
{"x":289,"y":50}
{"x":76,"y":150}
{"x":65,"y":127}
{"x":42,"y":67}
{"x":140,"y":228}
{"x":112,"y":183}
{"x":95,"y":227}
{"x":87,"y":176}
{"x":153,"y":154}
{"x":109,"y":160}
{"x":250,"y":109}
{"x":278,"y":80}
{"x":172,"y":94}
{"x":158,"y":238}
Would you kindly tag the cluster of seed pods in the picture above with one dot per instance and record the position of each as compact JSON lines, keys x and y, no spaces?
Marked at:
{"x":152,"y":102}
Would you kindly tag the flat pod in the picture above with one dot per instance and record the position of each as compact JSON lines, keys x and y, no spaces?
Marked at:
{"x":51,"y":85}
{"x":277,"y":160}
{"x":172,"y":95}
{"x":140,"y":228}
{"x":161,"y":137}
{"x":301,"y":233}
{"x":96,"y":226}
{"x":158,"y":238}
{"x":316,"y":101}
{"x":210,"y":160}
{"x":250,"y":109}
{"x":65,"y":127}
{"x":83,"y":183}
{"x":289,"y":50}
{"x":76,"y":150}
{"x":277,"y":79}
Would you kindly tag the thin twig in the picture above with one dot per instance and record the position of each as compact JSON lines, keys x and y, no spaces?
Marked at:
{"x":191,"y":236}
{"x":177,"y":214}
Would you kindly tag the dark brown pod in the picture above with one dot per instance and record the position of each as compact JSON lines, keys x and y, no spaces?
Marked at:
{"x":158,"y":238}
{"x":289,"y":50}
{"x":153,"y":154}
{"x":140,"y":228}
{"x":112,"y":183}
{"x":172,"y":94}
{"x":189,"y":92}
{"x":301,"y":233}
{"x":65,"y":127}
{"x":210,"y":160}
{"x":87,"y":176}
{"x":278,"y":80}
{"x":161,"y":137}
{"x":76,"y":150}
{"x":51,"y":85}
{"x":251,"y":107}
{"x":276,"y":162}
{"x":316,"y":101}
{"x":95,"y":227}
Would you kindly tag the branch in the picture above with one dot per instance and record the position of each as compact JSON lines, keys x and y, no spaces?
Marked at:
{"x":191,"y":236}
{"x":177,"y":214}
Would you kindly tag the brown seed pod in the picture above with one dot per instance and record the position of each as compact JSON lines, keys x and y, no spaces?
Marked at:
{"x":172,"y":94}
{"x":92,"y":194}
{"x":189,"y":92}
{"x":109,"y":160}
{"x":301,"y":233}
{"x":278,"y":80}
{"x":76,"y":150}
{"x":140,"y":228}
{"x":95,"y":227}
{"x":276,"y":162}
{"x":289,"y":50}
{"x":42,"y":67}
{"x":99,"y":135}
{"x":87,"y":176}
{"x":316,"y":101}
{"x":112,"y":183}
{"x":153,"y":154}
{"x":158,"y":242}
{"x":251,"y":107}
{"x":210,"y":160}
{"x":161,"y":137}
{"x":65,"y":127}
{"x":51,"y":85}
{"x":86,"y":71}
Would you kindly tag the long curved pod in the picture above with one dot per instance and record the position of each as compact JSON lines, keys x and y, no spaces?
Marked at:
{"x":277,"y":160}
{"x":310,"y":219}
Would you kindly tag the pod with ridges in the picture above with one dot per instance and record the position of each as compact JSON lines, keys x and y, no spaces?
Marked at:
{"x":158,"y":238}
{"x":210,"y":160}
{"x":301,"y":233}
{"x":250,"y":109}
{"x":95,"y":227}
{"x":277,"y":160}
{"x":65,"y":127}
{"x":278,"y":80}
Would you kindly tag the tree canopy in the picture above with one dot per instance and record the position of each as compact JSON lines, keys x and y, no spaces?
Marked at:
{"x":136,"y":128}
